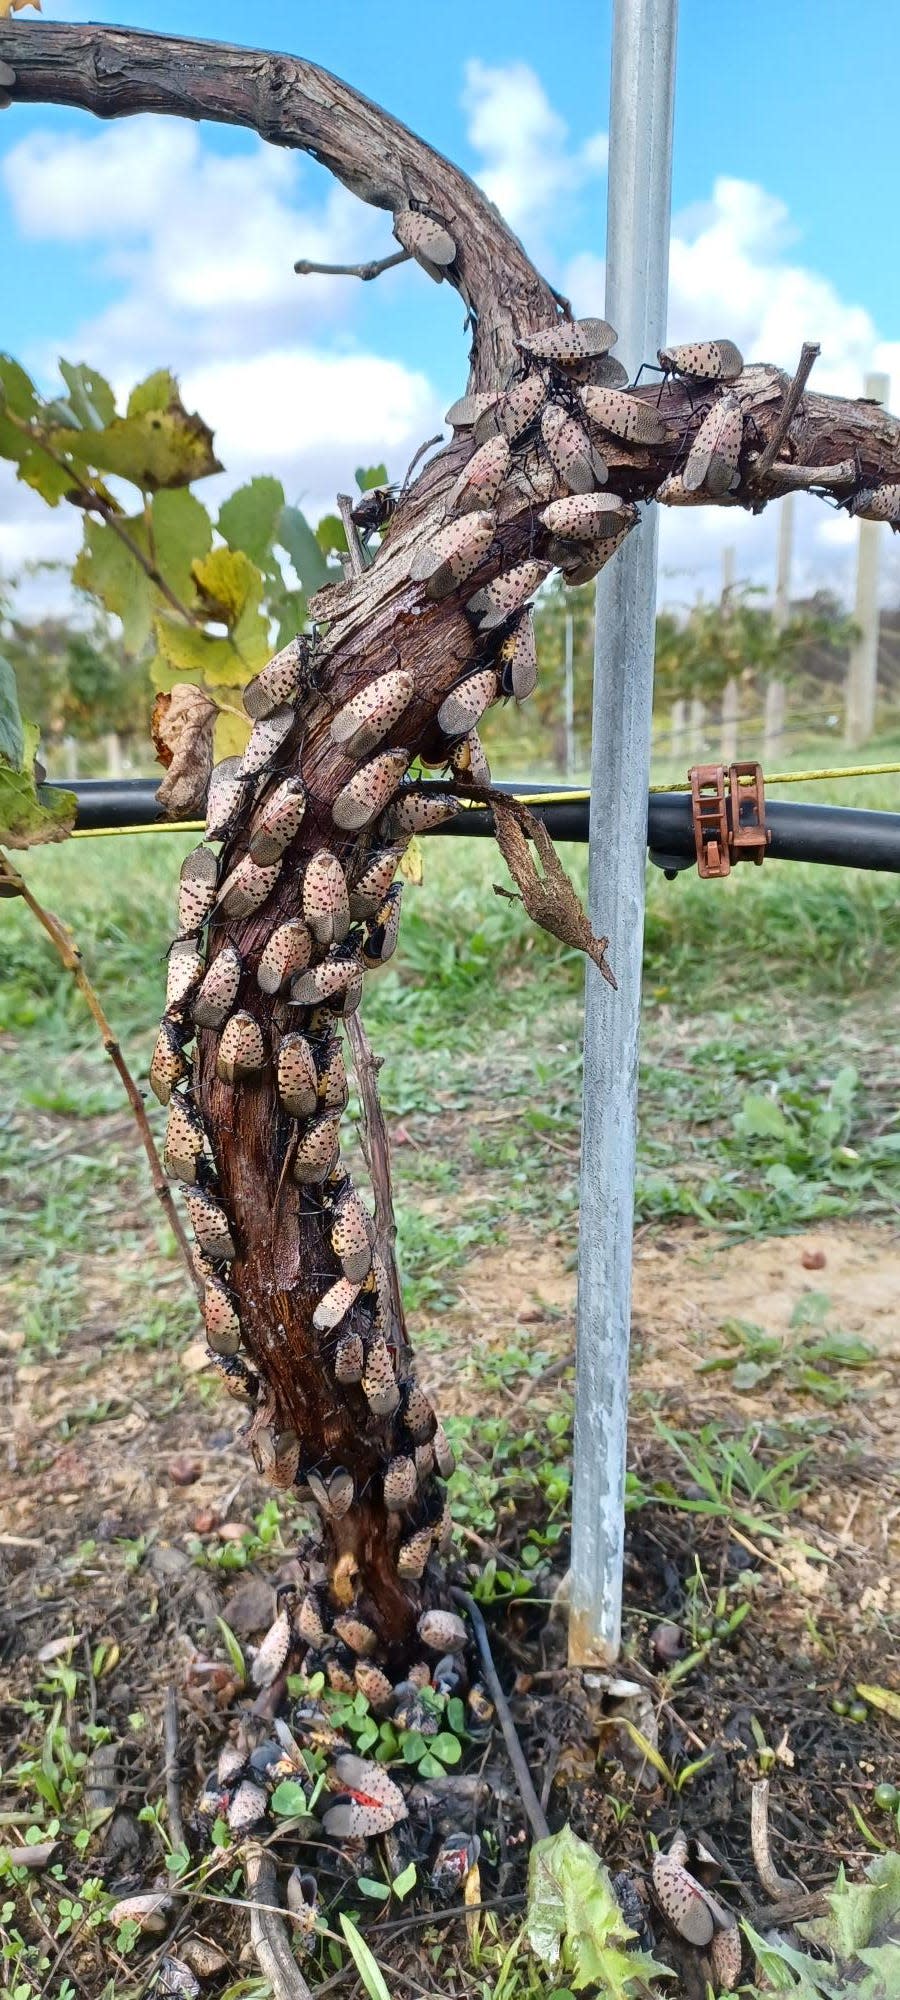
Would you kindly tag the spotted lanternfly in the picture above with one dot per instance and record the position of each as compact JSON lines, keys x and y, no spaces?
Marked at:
{"x":424,"y":1462}
{"x":703,"y":361}
{"x":513,"y":413}
{"x":427,"y":241}
{"x":682,"y":1900}
{"x":725,"y":1953}
{"x":453,"y":552}
{"x":185,"y":1137}
{"x":231,"y":1764}
{"x":465,"y":706}
{"x":274,"y":828}
{"x":359,"y":726}
{"x":579,"y":564}
{"x":400,"y":1483}
{"x":317,"y":1152}
{"x":279,"y":681}
{"x":169,"y":1064}
{"x":375,"y":1686}
{"x":326,"y":907}
{"x":248,"y":1806}
{"x":411,"y":1712}
{"x":381,"y":1281}
{"x":224,"y":798}
{"x":606,"y":373}
{"x":266,"y":739}
{"x":349,"y":1359}
{"x":237,"y":1379}
{"x":219,"y":989}
{"x":414,"y":812}
{"x":443,"y":1452}
{"x":623,"y":416}
{"x":445,"y":1529}
{"x":197,"y":890}
{"x":379,"y":1381}
{"x":571,"y":452}
{"x":241,"y":1051}
{"x":588,"y":517}
{"x":367,"y":893}
{"x":468,"y":761}
{"x":455,"y":1859}
{"x":301,"y":1896}
{"x":309,"y":1620}
{"x":712,"y":461}
{"x":373,"y":1803}
{"x":480,"y":1707}
{"x":374,"y":508}
{"x":674,"y":493}
{"x":185,"y":971}
{"x":335,"y":1304}
{"x":369,"y":790}
{"x":210,"y":1225}
{"x":323,"y":981}
{"x":202,"y":1265}
{"x":333,"y":1091}
{"x":352,"y":1233}
{"x":148,"y":1913}
{"x":246,"y":888}
{"x":412,"y":1556}
{"x":288,"y":952}
{"x":418,"y":1415}
{"x":272,"y":1652}
{"x":355,"y":1633}
{"x":334,"y":1492}
{"x":570,"y":340}
{"x":877,"y":503}
{"x":517,"y":658}
{"x":442,"y":1632}
{"x":223,"y":1328}
{"x":465,"y":412}
{"x":481,"y":479}
{"x":340,"y":1677}
{"x":380,"y":938}
{"x":508,"y":592}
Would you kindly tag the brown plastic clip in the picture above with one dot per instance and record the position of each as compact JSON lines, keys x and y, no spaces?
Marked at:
{"x":728,"y":827}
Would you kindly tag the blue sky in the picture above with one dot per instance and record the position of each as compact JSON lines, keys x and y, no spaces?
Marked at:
{"x":142,"y":243}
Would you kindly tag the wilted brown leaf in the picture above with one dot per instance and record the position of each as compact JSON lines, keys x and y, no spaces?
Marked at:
{"x":182,"y":726}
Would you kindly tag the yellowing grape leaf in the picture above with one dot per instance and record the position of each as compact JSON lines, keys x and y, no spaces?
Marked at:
{"x":8,"y":7}
{"x":227,"y":583}
{"x":156,"y":392}
{"x":151,"y":448}
{"x":186,"y":651}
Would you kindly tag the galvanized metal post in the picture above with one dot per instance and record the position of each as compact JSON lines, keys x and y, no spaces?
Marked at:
{"x":637,"y":254}
{"x":862,"y":671}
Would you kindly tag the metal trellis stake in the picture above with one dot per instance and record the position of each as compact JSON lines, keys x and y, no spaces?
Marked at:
{"x":637,"y":255}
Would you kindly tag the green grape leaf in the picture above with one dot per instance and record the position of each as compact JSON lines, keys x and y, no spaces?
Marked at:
{"x":182,"y":532}
{"x":296,"y":535}
{"x":12,"y":728}
{"x":17,"y":391}
{"x":30,"y":814}
{"x":331,"y":534}
{"x":107,"y":569}
{"x":90,"y":396}
{"x":367,"y":476}
{"x":152,"y":448}
{"x":156,"y":392}
{"x":248,"y":520}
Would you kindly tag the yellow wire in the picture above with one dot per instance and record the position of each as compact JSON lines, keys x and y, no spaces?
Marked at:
{"x":572,"y":798}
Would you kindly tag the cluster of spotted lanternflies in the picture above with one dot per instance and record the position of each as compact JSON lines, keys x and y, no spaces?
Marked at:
{"x":546,"y":429}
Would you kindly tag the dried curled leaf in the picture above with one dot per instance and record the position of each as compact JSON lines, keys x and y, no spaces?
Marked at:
{"x":549,"y":898}
{"x":182,"y":725}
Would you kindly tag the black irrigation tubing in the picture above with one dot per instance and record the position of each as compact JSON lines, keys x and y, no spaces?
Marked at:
{"x":837,"y":836}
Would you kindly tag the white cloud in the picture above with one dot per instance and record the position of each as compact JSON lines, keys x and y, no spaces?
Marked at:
{"x":200,"y":245}
{"x":529,"y":162}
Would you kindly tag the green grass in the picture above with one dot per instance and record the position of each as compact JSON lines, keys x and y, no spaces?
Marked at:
{"x":768,"y":1091}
